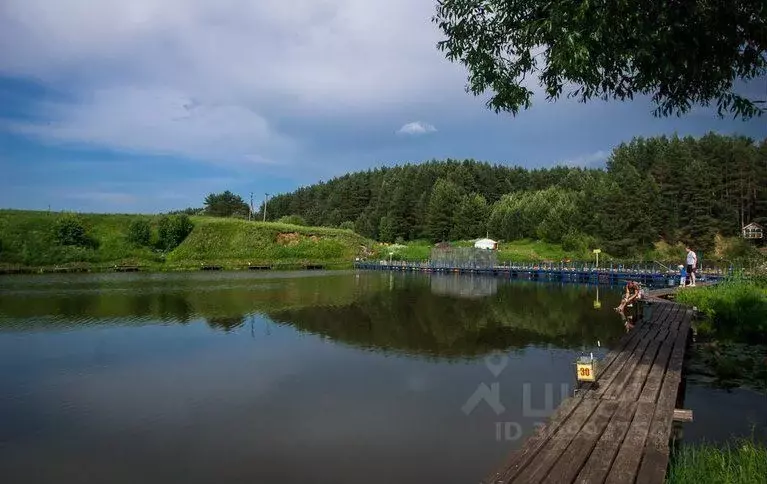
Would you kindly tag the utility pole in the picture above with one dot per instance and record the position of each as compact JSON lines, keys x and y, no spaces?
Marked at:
{"x":250,"y":213}
{"x":266,"y":199}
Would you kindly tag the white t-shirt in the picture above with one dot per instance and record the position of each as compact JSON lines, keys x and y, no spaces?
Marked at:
{"x":691,"y":258}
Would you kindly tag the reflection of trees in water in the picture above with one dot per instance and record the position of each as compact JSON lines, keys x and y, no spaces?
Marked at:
{"x":175,"y":306}
{"x":226,"y":324}
{"x":143,"y":301}
{"x":463,"y":285}
{"x":411,"y":319}
{"x":399,"y":312}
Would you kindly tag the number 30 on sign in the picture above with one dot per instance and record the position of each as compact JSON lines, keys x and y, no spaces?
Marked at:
{"x":585,"y":371}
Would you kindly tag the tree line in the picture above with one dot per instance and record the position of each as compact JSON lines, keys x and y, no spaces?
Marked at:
{"x":662,"y":188}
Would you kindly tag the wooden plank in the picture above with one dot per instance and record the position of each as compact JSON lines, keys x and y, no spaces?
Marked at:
{"x":519,"y":458}
{"x":682,"y":415}
{"x":626,"y":463}
{"x":654,"y":359}
{"x":621,"y":379}
{"x":656,"y":376}
{"x":573,"y":459}
{"x":656,"y":452}
{"x":636,"y":383}
{"x":601,"y":458}
{"x":537,"y":469}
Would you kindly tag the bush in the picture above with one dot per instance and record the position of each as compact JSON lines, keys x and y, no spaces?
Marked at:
{"x":292,"y":220}
{"x":575,"y":241}
{"x":735,"y":309}
{"x":348,"y":225}
{"x":173,"y":230}
{"x":140,"y":232}
{"x":69,"y":230}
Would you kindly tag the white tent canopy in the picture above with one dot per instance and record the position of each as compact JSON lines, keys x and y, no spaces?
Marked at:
{"x":489,"y":244}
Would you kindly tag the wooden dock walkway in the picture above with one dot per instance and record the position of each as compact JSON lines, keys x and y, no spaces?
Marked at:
{"x":616,"y":430}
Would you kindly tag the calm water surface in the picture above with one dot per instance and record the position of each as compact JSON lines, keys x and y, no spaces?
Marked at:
{"x":323,"y":377}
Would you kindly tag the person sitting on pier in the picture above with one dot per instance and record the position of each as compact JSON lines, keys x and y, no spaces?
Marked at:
{"x":631,"y":295}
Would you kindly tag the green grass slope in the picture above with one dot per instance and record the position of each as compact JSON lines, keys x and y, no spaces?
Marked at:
{"x":230,"y":241}
{"x":27,"y":240}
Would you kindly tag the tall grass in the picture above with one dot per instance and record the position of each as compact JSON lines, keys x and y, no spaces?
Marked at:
{"x":735,"y":309}
{"x":740,"y":462}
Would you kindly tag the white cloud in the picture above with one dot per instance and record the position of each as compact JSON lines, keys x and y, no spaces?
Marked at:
{"x":159,"y":121}
{"x":352,"y":54}
{"x":244,"y":66}
{"x":417,"y":127}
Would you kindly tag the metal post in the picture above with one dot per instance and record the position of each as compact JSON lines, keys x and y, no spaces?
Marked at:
{"x":266,"y":200}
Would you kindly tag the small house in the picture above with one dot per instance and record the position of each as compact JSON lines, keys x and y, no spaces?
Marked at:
{"x":487,"y":244}
{"x":753,"y":231}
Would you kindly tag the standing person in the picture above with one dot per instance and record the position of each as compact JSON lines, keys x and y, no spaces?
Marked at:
{"x":682,"y":276}
{"x":692,"y":262}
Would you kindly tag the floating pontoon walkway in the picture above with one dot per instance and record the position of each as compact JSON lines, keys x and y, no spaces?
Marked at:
{"x":648,"y":275}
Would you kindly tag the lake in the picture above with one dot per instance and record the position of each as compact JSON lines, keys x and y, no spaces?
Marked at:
{"x":339,"y":377}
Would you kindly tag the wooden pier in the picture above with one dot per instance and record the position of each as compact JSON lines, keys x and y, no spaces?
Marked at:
{"x":617,"y":429}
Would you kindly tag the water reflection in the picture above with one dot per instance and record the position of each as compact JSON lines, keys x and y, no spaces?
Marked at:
{"x":438,"y":315}
{"x":465,"y":286}
{"x":202,"y":378}
{"x":226,"y":324}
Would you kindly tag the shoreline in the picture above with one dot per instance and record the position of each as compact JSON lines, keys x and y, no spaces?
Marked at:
{"x":161,"y":268}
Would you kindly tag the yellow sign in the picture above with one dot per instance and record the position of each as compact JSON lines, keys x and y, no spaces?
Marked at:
{"x":585,"y":370}
{"x":597,"y":251}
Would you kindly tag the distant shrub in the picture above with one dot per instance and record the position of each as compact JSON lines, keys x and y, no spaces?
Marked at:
{"x":69,"y":230}
{"x":188,"y":211}
{"x":172,"y":230}
{"x":348,"y":225}
{"x":575,"y":241}
{"x":737,"y":249}
{"x":140,"y":232}
{"x":292,"y":219}
{"x":399,"y":240}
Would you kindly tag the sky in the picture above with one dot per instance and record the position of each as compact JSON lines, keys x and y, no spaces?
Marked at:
{"x":148,"y":106}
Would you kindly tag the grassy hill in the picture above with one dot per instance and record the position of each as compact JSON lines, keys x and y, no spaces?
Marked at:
{"x":27,"y":240}
{"x":231,"y":242}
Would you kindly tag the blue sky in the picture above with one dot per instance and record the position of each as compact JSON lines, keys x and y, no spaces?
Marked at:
{"x":146,"y":106}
